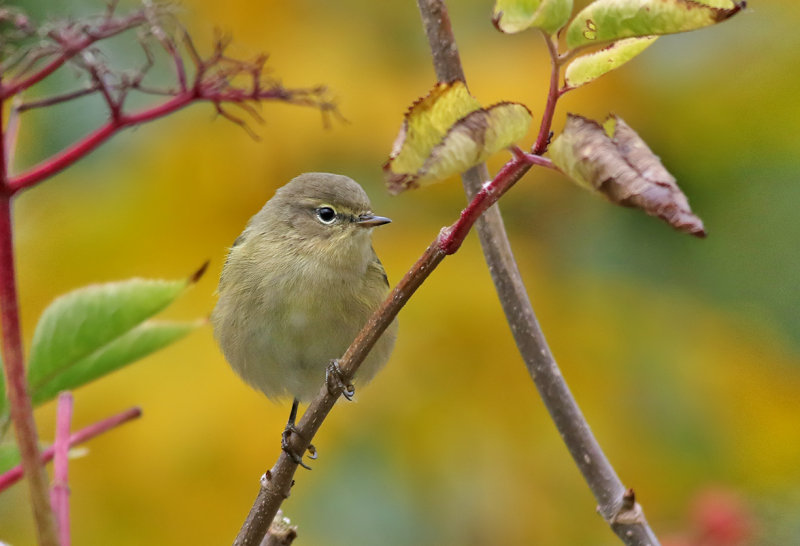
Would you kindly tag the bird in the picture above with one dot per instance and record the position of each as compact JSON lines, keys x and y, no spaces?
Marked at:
{"x":297,"y":286}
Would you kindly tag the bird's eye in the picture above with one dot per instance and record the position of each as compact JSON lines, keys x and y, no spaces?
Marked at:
{"x":326,"y":215}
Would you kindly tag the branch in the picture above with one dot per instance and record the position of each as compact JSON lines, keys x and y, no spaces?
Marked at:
{"x":12,"y":476}
{"x":14,"y":366}
{"x":59,"y":493}
{"x":616,"y":503}
{"x":57,"y":99}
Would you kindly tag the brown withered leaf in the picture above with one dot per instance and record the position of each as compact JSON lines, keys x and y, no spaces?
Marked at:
{"x":614,"y":161}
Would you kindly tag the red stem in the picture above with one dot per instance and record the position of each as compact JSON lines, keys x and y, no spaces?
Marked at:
{"x":453,"y":236}
{"x":20,"y":405}
{"x":542,"y":140}
{"x":33,"y":79}
{"x":12,"y":476}
{"x":59,"y":493}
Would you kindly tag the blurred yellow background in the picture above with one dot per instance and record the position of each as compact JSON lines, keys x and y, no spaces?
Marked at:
{"x":684,"y":354}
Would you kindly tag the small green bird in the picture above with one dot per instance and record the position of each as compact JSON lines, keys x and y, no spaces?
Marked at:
{"x":298,"y":285}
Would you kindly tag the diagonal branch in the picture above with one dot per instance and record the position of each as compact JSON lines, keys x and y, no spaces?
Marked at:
{"x":616,"y":503}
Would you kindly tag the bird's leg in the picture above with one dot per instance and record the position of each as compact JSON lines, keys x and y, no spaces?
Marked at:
{"x":335,"y":381}
{"x":291,"y":429}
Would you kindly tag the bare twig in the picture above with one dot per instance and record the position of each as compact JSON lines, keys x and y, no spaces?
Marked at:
{"x":70,"y":39}
{"x":59,"y":492}
{"x":15,"y":474}
{"x":58,"y":99}
{"x":11,"y":133}
{"x":616,"y":503}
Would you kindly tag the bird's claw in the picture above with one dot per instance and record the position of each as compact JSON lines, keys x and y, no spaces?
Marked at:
{"x":335,"y":381}
{"x":286,"y":447}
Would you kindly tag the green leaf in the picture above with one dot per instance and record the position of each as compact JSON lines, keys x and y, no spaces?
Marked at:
{"x":512,"y":16}
{"x":590,"y":67}
{"x":84,"y":322}
{"x":610,"y":20}
{"x":448,"y":132}
{"x":9,"y":456}
{"x":613,"y":161}
{"x":131,"y":346}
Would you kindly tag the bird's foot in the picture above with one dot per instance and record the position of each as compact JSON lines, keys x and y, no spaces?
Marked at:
{"x":292,"y":429}
{"x":290,"y":451}
{"x":335,"y":381}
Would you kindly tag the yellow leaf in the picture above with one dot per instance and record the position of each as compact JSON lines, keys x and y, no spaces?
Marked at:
{"x":590,"y":67}
{"x":448,"y":132}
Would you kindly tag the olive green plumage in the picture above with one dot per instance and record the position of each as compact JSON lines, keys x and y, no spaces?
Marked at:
{"x":298,"y":285}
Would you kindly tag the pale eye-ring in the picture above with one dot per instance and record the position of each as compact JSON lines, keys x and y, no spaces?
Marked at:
{"x":326,"y":215}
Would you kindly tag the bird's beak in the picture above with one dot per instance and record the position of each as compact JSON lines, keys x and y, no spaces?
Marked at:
{"x":370,"y":220}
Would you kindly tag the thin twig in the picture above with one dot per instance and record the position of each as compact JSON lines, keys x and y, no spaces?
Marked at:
{"x":59,"y":492}
{"x":11,"y":134}
{"x":57,"y":99}
{"x":616,"y":503}
{"x":71,"y":46}
{"x":100,"y":79}
{"x":12,"y":476}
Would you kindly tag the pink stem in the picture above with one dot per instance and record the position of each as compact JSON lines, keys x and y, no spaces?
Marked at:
{"x":12,"y":476}
{"x":59,"y":493}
